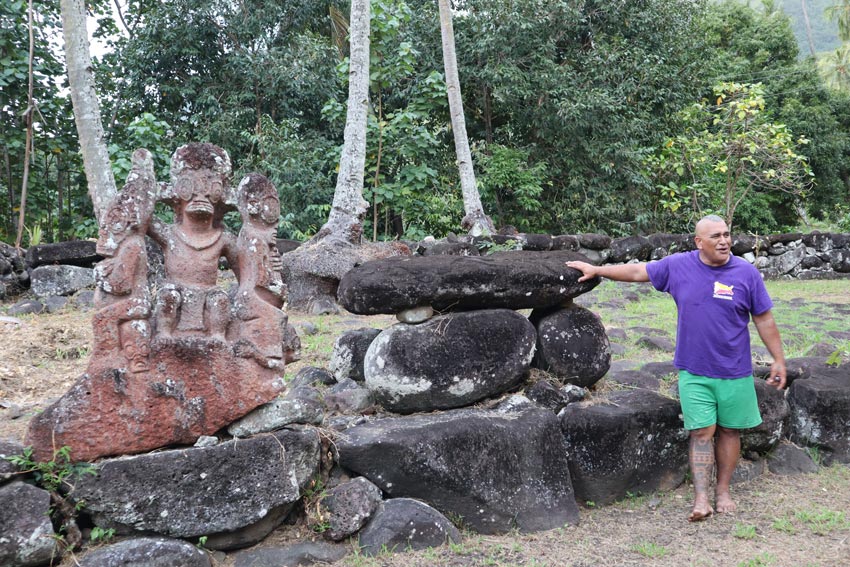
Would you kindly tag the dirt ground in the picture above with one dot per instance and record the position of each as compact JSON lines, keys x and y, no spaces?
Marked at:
{"x":781,"y":521}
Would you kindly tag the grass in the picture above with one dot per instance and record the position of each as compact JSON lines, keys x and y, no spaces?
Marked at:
{"x":821,"y":521}
{"x":650,"y":549}
{"x":744,"y":531}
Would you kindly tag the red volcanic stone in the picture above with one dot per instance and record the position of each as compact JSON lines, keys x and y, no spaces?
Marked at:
{"x":195,"y":386}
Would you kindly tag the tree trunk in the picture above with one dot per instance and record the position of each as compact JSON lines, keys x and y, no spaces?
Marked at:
{"x":28,"y":143}
{"x":475,"y":221}
{"x":808,"y":28}
{"x":345,"y":221}
{"x":101,"y":182}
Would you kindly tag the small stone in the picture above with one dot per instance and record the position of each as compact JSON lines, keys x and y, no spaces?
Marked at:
{"x":416,"y":314}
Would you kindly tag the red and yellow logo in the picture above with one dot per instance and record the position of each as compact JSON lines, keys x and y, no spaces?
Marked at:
{"x":723,"y":291}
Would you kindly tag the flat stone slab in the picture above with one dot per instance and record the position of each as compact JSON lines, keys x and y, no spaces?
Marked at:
{"x":514,"y":280}
{"x":201,"y":491}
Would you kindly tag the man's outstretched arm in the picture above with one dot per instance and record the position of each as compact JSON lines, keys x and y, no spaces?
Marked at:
{"x":619,"y":272}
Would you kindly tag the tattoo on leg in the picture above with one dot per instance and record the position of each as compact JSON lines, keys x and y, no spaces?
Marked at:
{"x":702,"y":463}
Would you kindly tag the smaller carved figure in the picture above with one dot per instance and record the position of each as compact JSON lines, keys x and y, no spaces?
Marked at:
{"x":122,"y":296}
{"x":190,"y":303}
{"x":261,"y":293}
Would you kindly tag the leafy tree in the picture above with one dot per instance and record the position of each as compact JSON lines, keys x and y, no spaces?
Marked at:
{"x":730,"y":154}
{"x":583,"y":87}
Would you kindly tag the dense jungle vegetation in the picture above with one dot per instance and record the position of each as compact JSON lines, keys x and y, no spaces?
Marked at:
{"x":615,"y":116}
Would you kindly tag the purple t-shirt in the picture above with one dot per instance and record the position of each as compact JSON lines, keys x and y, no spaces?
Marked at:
{"x":714,"y":304}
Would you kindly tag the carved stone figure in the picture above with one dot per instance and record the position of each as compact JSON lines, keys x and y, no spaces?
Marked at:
{"x":190,"y":303}
{"x":200,"y":359}
{"x":122,"y":297}
{"x":261,"y":293}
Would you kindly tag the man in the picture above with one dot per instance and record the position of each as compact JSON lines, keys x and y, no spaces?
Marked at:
{"x":715,"y":293}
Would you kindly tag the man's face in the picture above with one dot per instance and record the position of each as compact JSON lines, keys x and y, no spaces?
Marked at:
{"x":714,"y":242}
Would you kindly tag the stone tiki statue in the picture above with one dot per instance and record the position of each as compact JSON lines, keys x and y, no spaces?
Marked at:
{"x":122,"y":298}
{"x":199,"y":358}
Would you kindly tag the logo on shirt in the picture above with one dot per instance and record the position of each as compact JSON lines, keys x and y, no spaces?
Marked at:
{"x":723,"y":291}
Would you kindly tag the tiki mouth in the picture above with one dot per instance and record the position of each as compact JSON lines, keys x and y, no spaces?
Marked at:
{"x":200,"y":207}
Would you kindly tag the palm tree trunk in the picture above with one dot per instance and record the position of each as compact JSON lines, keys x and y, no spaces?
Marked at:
{"x":101,"y":183}
{"x":475,"y":221}
{"x":808,"y":28}
{"x":349,"y":206}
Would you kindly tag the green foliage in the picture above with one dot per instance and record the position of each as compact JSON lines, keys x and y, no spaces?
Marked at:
{"x":744,"y":531}
{"x":650,"y":549}
{"x":52,"y":475}
{"x":729,"y":153}
{"x":145,"y":131}
{"x":762,"y":560}
{"x":511,"y":187}
{"x":101,"y":535}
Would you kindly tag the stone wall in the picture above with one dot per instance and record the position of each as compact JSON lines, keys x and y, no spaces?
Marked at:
{"x":815,"y":255}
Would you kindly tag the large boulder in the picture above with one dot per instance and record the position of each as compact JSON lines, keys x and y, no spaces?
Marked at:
{"x":496,"y":471}
{"x":571,"y":344}
{"x":194,"y":387}
{"x":73,"y":253}
{"x":146,"y":552}
{"x":633,"y":441}
{"x":404,"y":524}
{"x":26,"y":534}
{"x":449,"y":361}
{"x":630,"y":248}
{"x":60,"y":280}
{"x":820,"y":411}
{"x":202,"y":491}
{"x":774,"y":409}
{"x":515,"y":280}
{"x":313,"y":270}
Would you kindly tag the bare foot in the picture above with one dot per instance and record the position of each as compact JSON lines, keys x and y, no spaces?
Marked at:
{"x":724,"y":503}
{"x":702,"y":509}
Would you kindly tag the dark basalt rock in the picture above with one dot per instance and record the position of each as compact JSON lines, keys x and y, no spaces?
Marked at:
{"x":774,"y":411}
{"x":631,"y":442}
{"x":486,"y":467}
{"x":672,"y":243}
{"x":630,"y":248}
{"x":571,"y":344}
{"x":788,"y":459}
{"x":26,"y":537}
{"x":449,"y":361}
{"x":306,"y":553}
{"x":348,"y":506}
{"x":819,"y":409}
{"x":515,"y":280}
{"x":404,"y":524}
{"x":73,"y":252}
{"x":202,"y":491}
{"x":349,"y":351}
{"x":146,"y":552}
{"x":565,"y":242}
{"x":593,"y":241}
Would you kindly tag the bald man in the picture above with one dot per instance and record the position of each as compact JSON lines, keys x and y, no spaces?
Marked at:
{"x":716,"y":294}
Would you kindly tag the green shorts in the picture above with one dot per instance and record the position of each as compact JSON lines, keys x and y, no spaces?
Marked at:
{"x":717,"y":401}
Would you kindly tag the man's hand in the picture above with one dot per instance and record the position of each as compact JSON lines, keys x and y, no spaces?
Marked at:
{"x":588,"y":270}
{"x":777,"y":376}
